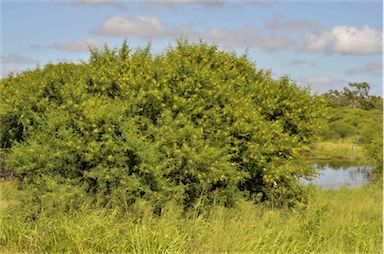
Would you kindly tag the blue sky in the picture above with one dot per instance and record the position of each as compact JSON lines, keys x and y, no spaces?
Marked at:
{"x":322,"y":44}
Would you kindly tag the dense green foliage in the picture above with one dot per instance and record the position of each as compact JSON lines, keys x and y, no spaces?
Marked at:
{"x":189,"y":123}
{"x":335,"y":221}
{"x":352,"y":124}
{"x":374,"y":146}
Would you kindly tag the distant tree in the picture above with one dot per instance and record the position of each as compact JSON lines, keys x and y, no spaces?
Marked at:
{"x":357,"y":95}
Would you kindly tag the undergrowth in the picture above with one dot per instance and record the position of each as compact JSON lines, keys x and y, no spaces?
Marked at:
{"x":334,"y":221}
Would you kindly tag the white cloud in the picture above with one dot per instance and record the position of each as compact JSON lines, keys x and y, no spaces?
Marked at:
{"x":140,"y":26}
{"x":345,"y":40}
{"x":17,"y":59}
{"x":375,"y":68}
{"x":72,"y":46}
{"x":117,"y":3}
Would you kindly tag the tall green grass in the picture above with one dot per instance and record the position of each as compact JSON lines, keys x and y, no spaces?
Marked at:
{"x":335,"y":221}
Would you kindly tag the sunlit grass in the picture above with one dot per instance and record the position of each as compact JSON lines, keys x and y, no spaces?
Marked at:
{"x":342,"y":150}
{"x":335,"y":221}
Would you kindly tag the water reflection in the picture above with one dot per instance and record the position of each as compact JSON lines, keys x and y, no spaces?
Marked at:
{"x":333,"y":176}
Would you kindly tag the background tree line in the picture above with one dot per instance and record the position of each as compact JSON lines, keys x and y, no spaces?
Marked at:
{"x":355,"y":95}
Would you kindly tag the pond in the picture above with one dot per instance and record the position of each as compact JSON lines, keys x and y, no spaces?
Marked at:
{"x":337,"y":175}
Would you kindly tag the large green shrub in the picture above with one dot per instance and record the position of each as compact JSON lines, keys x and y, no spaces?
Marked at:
{"x":191,"y":122}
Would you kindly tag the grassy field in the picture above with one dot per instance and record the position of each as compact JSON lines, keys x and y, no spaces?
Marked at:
{"x":335,"y":221}
{"x":342,"y":151}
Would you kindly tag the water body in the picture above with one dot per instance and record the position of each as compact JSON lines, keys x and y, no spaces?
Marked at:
{"x":336,"y":175}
